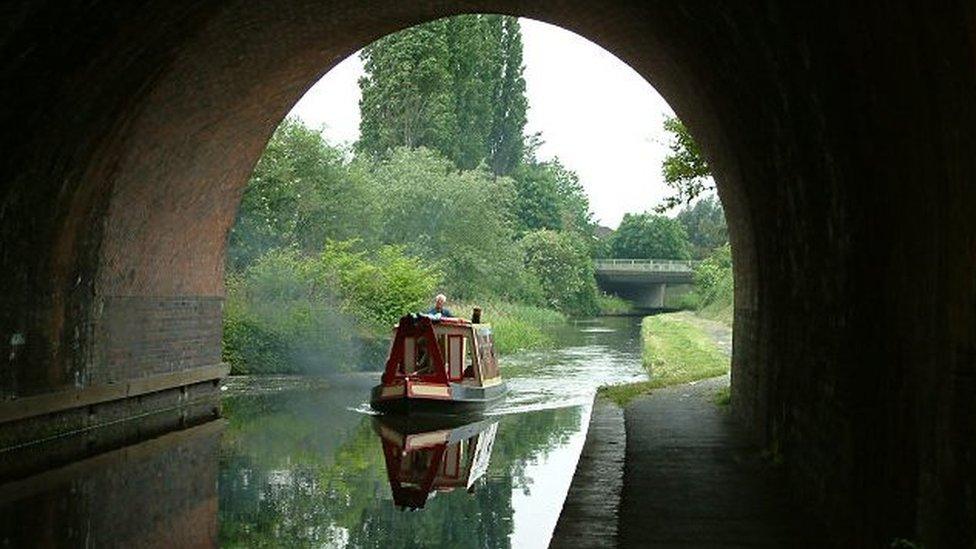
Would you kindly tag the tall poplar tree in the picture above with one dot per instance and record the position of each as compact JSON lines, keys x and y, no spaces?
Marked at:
{"x":407,"y":92}
{"x":454,"y":85}
{"x":506,"y":141}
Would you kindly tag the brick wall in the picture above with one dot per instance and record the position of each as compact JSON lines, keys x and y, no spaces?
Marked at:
{"x":140,"y":336}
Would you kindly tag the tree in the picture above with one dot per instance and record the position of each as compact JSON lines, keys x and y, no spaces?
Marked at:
{"x":506,"y":140}
{"x":705,"y":224}
{"x":550,"y":196}
{"x":649,"y":236}
{"x":453,"y":85}
{"x":407,"y":96}
{"x":460,"y":221}
{"x":298,"y":196}
{"x":685,"y":170}
{"x":561,"y":261}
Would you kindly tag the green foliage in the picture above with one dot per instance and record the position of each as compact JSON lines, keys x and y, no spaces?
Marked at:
{"x":610,"y":305}
{"x":275,"y":321}
{"x":705,"y":224}
{"x":688,"y":301}
{"x":714,"y":285}
{"x":517,"y":326}
{"x":649,"y":236}
{"x":562,"y":264}
{"x":454,"y":85}
{"x":505,"y":142}
{"x":406,"y":92}
{"x":377,"y":288}
{"x":550,"y":196}
{"x":723,"y":397}
{"x":684,"y":169}
{"x":457,"y":220}
{"x":298,"y":196}
{"x":289,"y":313}
{"x":421,"y":226}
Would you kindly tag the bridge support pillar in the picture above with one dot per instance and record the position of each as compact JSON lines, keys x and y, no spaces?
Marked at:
{"x":655,"y":296}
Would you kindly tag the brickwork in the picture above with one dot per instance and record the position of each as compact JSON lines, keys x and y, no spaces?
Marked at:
{"x":843,"y":142}
{"x":139,"y":336}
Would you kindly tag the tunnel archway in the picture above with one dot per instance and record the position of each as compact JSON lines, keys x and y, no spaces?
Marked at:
{"x":842,"y":142}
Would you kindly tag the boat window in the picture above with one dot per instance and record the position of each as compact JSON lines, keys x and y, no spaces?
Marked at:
{"x":469,"y":372}
{"x":414,"y":467}
{"x":486,"y":354}
{"x":422,"y":363}
{"x":452,"y":461}
{"x":409,"y":355}
{"x":455,"y":355}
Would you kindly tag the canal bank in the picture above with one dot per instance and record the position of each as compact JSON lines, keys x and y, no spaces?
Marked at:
{"x":671,"y":468}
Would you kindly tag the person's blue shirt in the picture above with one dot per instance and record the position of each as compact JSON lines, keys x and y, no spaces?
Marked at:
{"x":445,"y":313}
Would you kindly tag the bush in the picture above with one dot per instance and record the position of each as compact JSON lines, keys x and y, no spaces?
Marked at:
{"x":714,"y":285}
{"x":291,"y":314}
{"x":376,"y":289}
{"x":562,"y":264}
{"x":688,"y":301}
{"x":613,"y":305}
{"x":275,"y":323}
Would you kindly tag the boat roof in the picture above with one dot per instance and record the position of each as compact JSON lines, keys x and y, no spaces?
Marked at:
{"x":445,"y":320}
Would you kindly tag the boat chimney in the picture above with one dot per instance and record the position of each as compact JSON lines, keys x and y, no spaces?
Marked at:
{"x":476,"y":316}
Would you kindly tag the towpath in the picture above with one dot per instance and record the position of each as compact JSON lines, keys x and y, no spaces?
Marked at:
{"x":675,"y":470}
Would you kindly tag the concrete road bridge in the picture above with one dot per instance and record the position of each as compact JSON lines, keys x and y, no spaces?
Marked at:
{"x":647,"y":283}
{"x":842,"y":137}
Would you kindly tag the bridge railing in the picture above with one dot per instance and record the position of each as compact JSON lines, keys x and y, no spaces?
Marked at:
{"x":655,"y":265}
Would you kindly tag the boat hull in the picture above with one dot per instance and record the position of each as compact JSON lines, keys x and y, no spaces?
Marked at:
{"x":459,"y":400}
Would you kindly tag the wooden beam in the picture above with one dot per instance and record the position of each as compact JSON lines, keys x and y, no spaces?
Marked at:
{"x":26,"y":407}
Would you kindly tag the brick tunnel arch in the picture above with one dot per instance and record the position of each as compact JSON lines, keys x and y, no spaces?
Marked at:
{"x":842,"y":142}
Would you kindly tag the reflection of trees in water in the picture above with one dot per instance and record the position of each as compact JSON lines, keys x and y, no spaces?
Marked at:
{"x":282,"y":484}
{"x":524,"y":439}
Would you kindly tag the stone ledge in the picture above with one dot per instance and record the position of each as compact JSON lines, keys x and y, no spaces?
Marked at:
{"x":27,"y":407}
{"x":589,"y":515}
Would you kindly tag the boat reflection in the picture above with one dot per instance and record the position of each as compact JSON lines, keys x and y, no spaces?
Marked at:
{"x":424,"y":458}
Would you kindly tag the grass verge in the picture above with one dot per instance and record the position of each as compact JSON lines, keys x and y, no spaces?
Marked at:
{"x":675,"y":351}
{"x":517,"y":327}
{"x":723,"y":397}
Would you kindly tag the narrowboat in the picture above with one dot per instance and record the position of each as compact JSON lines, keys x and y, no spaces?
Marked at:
{"x":439,"y":366}
{"x":423,"y":463}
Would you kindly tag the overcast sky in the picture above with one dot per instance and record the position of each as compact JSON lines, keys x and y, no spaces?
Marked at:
{"x":595,"y":113}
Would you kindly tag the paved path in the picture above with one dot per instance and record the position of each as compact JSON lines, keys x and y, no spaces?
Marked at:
{"x":692,"y":478}
{"x":674,"y":470}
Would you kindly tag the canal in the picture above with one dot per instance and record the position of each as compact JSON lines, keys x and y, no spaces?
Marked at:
{"x":306,"y":463}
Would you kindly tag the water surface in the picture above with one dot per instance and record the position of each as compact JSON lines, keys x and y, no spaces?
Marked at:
{"x":302,"y":464}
